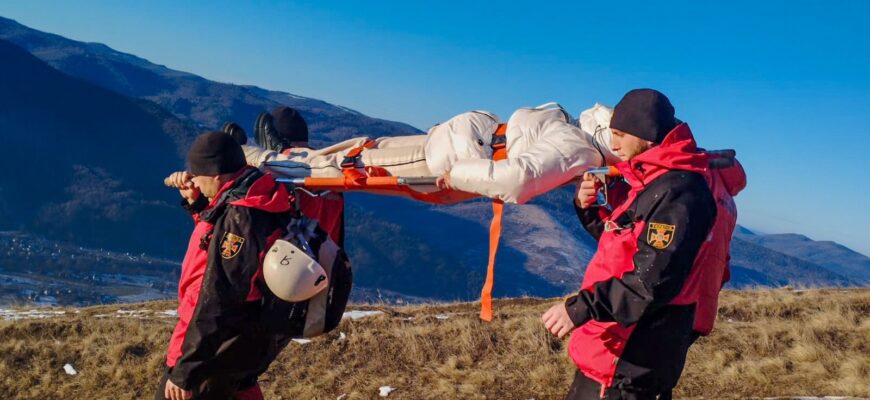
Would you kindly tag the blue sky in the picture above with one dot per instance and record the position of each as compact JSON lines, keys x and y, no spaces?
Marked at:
{"x":786,"y":83}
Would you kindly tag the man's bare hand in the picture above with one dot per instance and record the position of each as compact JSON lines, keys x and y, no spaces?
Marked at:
{"x":173,"y":392}
{"x":557,"y":321}
{"x":443,"y":181}
{"x":587,"y":191}
{"x":181,"y":180}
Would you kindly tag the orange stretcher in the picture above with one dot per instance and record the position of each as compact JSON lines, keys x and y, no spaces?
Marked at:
{"x":372,"y":179}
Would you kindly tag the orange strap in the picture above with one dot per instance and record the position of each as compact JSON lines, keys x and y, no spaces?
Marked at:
{"x":499,"y":153}
{"x":494,"y":236}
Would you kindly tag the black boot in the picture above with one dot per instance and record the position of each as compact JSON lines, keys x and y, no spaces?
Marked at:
{"x":233,"y":129}
{"x":266,"y":135}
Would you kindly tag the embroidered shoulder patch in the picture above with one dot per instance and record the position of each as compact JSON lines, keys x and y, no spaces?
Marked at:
{"x":659,"y":235}
{"x":231,"y":245}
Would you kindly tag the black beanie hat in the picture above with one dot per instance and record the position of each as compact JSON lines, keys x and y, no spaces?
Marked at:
{"x":645,"y":113}
{"x":215,"y":153}
{"x":290,"y":124}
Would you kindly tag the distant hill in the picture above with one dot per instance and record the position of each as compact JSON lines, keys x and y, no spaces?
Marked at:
{"x":832,"y":256}
{"x":82,"y":163}
{"x":755,"y":265}
{"x":205,"y":103}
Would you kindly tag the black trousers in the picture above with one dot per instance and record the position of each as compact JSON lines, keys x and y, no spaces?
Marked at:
{"x":584,"y":388}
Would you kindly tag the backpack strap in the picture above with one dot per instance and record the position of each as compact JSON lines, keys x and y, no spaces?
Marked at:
{"x":499,"y":152}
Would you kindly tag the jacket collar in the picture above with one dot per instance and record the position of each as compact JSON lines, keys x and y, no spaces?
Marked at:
{"x":249,"y":188}
{"x":678,"y":151}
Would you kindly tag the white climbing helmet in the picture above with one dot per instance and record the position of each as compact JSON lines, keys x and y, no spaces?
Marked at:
{"x":291,"y":274}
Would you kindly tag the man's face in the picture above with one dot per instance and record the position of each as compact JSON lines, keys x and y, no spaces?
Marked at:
{"x":628,"y":146}
{"x":207,"y":185}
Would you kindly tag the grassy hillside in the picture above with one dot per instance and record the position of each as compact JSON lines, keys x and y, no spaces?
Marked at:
{"x":767,"y":343}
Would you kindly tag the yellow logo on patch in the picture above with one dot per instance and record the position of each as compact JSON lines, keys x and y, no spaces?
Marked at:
{"x":659,"y":235}
{"x":231,"y":245}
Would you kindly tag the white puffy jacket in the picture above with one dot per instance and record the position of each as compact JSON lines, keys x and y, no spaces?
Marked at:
{"x":544,"y":151}
{"x":467,"y":135}
{"x":596,"y":122}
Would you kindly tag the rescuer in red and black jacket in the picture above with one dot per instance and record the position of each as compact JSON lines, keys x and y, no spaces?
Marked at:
{"x":652,"y":286}
{"x":218,"y":347}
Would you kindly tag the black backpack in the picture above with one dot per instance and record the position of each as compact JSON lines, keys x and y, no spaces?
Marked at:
{"x":323,"y":312}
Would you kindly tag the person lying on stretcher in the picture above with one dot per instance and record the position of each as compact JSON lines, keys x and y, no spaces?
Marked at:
{"x":544,"y":151}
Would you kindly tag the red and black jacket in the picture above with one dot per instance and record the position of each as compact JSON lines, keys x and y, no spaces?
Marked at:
{"x":218,"y":292}
{"x":662,"y":256}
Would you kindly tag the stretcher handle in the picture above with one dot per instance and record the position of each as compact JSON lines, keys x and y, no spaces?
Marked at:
{"x":369,"y":181}
{"x":342,"y":182}
{"x":417,"y":180}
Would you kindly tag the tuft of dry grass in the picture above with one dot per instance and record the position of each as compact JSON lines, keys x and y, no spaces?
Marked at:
{"x":767,"y":343}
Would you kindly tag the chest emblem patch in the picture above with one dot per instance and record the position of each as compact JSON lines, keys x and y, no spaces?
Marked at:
{"x":231,"y":245}
{"x":659,"y":235}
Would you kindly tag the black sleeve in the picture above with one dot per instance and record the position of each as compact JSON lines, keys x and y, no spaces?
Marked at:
{"x":233,"y":261}
{"x":678,"y":210}
{"x":200,"y":204}
{"x":592,"y":218}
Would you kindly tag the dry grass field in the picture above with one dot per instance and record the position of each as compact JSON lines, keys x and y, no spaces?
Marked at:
{"x":768,"y":343}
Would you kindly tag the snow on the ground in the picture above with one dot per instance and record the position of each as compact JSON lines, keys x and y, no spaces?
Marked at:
{"x":302,"y":341}
{"x":133,"y":312}
{"x":357,"y":314}
{"x":15,"y":315}
{"x":138,"y":314}
{"x":68,"y":368}
{"x":386,"y":390}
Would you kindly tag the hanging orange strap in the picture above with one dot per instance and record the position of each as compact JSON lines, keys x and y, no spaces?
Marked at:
{"x":499,"y":152}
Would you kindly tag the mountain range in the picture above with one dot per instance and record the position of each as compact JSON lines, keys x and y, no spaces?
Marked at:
{"x":92,"y":131}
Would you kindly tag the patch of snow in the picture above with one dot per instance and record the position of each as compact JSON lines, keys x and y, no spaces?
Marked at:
{"x":442,"y":317}
{"x":357,"y":314}
{"x":341,"y":397}
{"x":342,"y":336}
{"x":133,"y":312}
{"x":15,"y":315}
{"x":68,"y":368}
{"x":170,"y":313}
{"x":386,"y":390}
{"x":302,"y":341}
